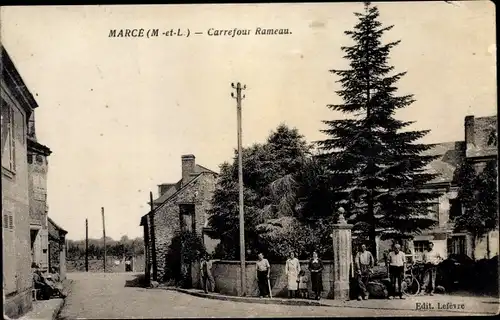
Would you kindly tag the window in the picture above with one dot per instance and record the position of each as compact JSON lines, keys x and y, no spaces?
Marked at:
{"x":8,"y":221}
{"x":8,"y":142}
{"x":455,"y":208}
{"x":187,"y":213}
{"x":492,"y":138}
{"x":457,"y":245}
{"x":419,"y":248}
{"x":433,"y":210}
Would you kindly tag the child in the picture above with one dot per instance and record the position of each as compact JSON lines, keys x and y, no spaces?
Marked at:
{"x":303,"y":291}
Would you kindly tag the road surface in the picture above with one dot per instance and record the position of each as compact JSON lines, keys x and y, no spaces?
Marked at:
{"x":112,"y":295}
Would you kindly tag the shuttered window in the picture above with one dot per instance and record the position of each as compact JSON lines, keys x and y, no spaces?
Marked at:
{"x":8,"y":140}
{"x":8,"y":221}
{"x":9,"y":253}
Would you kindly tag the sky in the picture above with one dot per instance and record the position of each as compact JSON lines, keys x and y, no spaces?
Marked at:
{"x":118,"y":113}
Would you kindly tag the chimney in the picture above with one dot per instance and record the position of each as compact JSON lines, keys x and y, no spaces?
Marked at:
{"x":188,"y":168}
{"x":469,"y":132}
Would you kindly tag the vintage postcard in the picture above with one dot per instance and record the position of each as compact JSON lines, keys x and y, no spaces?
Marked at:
{"x":249,"y":160}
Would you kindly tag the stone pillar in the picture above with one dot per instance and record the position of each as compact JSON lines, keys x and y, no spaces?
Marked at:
{"x":342,"y":257}
{"x":62,"y":258}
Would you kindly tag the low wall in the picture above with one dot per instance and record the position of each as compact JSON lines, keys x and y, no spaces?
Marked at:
{"x":18,"y":305}
{"x":96,"y":265}
{"x":227,"y":278}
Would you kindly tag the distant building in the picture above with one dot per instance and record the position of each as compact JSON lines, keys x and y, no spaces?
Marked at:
{"x":57,"y":248}
{"x":180,"y":206}
{"x":479,"y":147}
{"x":17,"y":105}
{"x":38,"y":169}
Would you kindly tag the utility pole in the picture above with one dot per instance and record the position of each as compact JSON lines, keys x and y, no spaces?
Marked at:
{"x":153,"y":238}
{"x":86,"y":245}
{"x":104,"y":236}
{"x":238,"y":98}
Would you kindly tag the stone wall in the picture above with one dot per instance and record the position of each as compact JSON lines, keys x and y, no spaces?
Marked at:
{"x":167,"y":216}
{"x":227,"y":278}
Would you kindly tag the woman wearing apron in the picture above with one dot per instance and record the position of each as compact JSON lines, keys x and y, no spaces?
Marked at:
{"x":292,"y":269}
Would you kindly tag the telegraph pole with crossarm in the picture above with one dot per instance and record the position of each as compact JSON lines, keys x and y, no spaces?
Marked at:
{"x":238,"y":98}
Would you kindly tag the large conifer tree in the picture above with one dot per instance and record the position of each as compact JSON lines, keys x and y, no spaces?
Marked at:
{"x":374,"y":162}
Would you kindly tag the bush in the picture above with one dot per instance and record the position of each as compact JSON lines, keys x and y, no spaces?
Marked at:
{"x":186,"y":248}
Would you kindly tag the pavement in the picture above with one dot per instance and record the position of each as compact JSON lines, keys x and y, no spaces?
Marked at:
{"x":48,"y":309}
{"x":217,"y":296}
{"x":120,"y":296}
{"x":466,"y":305}
{"x":44,"y":309}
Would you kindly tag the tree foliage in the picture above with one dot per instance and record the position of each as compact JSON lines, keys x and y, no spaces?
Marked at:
{"x":124,"y":247}
{"x":478,"y":197}
{"x":375,"y":164}
{"x":279,"y":183}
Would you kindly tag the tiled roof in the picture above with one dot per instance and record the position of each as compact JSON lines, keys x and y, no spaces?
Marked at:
{"x":177,"y":186}
{"x":451,"y":155}
{"x":56,"y":226}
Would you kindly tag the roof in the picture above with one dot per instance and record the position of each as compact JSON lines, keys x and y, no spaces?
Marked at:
{"x":485,"y":137}
{"x":56,"y":226}
{"x":37,"y":147}
{"x":15,"y":83}
{"x":451,"y":155}
{"x":178,"y":185}
{"x":176,"y":193}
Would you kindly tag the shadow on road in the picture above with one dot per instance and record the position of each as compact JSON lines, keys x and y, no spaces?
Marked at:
{"x":138,"y":282}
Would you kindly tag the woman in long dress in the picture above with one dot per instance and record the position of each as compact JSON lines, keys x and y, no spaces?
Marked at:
{"x":292,"y":269}
{"x":316,"y":267}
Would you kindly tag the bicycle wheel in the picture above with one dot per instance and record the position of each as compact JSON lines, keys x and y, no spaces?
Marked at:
{"x":410,"y":286}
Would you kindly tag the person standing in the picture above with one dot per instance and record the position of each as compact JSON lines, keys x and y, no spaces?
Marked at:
{"x":316,"y":267}
{"x":303,"y":281}
{"x":396,"y":271}
{"x":292,"y":269}
{"x":364,"y":265}
{"x":206,"y":274}
{"x":263,"y":270}
{"x":431,"y":260}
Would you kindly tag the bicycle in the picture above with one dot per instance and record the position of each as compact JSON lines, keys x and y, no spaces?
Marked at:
{"x":411,"y":285}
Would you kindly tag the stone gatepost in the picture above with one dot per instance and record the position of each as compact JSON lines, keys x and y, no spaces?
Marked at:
{"x":342,"y":257}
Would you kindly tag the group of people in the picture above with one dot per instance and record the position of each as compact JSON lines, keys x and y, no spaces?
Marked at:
{"x":297,"y":280}
{"x":364,"y":262}
{"x":48,"y":284}
{"x":396,"y":264}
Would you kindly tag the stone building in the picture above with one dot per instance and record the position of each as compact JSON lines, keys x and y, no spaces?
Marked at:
{"x":479,"y":147}
{"x":38,"y":169}
{"x":57,"y":248}
{"x":180,"y":206}
{"x":17,"y":105}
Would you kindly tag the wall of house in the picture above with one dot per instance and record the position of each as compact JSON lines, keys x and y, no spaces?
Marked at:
{"x":167,"y":217}
{"x":481,"y":251}
{"x":227,"y":278}
{"x":38,"y":167}
{"x":15,"y":203}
